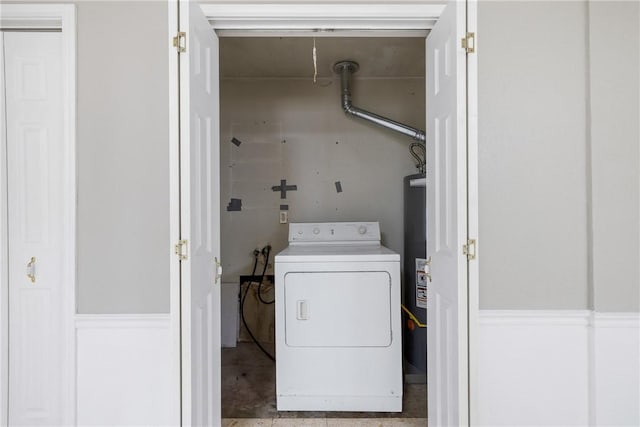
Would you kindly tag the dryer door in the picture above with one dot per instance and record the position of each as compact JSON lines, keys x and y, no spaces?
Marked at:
{"x":338,"y":309}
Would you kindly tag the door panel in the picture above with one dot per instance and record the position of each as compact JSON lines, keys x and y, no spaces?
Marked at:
{"x":200,"y":219}
{"x":35,"y":197}
{"x":447,"y":372}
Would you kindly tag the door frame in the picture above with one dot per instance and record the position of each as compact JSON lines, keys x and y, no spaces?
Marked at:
{"x":48,"y":17}
{"x":289,"y":18}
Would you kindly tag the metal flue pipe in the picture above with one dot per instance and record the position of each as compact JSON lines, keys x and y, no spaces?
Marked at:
{"x":346,"y":69}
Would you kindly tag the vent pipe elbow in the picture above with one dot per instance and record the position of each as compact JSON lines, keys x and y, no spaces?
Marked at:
{"x":345,"y":69}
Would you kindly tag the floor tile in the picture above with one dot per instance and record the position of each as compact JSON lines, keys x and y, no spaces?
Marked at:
{"x":376,"y":422}
{"x":246,"y":422}
{"x":249,"y":391}
{"x":299,"y":422}
{"x":408,"y":422}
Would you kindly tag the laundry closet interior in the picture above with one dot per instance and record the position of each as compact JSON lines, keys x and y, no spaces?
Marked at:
{"x":290,"y":154}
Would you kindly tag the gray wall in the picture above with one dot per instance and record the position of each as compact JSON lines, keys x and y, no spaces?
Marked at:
{"x":558,"y":148}
{"x":558,"y":100}
{"x":123,"y":157}
{"x":322,"y":146}
{"x":532,"y":150}
{"x":614,"y":47}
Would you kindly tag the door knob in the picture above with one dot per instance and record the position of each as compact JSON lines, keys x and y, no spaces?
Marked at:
{"x":218,"y":272}
{"x":31,"y":269}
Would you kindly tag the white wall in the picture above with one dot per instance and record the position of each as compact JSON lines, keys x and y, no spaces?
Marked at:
{"x":322,"y":146}
{"x":614,"y":48}
{"x":532,"y":151}
{"x":123,"y":157}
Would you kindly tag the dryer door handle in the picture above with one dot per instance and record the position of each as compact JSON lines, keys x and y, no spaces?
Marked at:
{"x":302,"y":310}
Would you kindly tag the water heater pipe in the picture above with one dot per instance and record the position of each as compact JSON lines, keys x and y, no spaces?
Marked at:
{"x":346,"y":69}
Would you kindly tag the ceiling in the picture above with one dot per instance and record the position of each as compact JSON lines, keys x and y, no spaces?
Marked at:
{"x":252,"y":57}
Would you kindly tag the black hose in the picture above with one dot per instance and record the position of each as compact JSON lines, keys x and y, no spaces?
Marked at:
{"x":266,"y":263}
{"x":242,"y":300}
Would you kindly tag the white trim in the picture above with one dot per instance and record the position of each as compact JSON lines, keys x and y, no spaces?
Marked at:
{"x":174,"y":217}
{"x":320,"y":34}
{"x":535,"y":317}
{"x":120,"y":321}
{"x":473,"y":227}
{"x":35,"y":16}
{"x":69,"y":48}
{"x":4,"y":261}
{"x":558,"y":367}
{"x":257,"y":17}
{"x":616,"y":320}
{"x":44,"y":16}
{"x":615,"y":369}
{"x":322,"y":17}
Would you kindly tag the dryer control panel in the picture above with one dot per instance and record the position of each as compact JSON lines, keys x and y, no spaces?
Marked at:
{"x":334,"y":232}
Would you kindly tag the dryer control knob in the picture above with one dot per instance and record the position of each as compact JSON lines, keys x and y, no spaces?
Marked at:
{"x":316,"y":231}
{"x":362,"y":229}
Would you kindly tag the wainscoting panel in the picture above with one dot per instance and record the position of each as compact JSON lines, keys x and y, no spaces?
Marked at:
{"x":533,"y":368}
{"x":542,"y":368}
{"x":616,"y":364}
{"x":124,"y":371}
{"x":558,"y":368}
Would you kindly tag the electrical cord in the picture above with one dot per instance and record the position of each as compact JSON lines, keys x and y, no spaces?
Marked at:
{"x":244,"y":297}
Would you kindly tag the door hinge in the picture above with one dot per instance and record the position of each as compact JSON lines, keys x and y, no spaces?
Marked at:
{"x":469,"y":249}
{"x":180,"y":42}
{"x":469,"y":42}
{"x":181,"y":250}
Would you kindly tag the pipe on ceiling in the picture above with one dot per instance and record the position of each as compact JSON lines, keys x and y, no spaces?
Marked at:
{"x":346,"y":69}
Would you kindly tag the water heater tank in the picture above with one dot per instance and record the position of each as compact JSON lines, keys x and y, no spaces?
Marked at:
{"x":415,"y":247}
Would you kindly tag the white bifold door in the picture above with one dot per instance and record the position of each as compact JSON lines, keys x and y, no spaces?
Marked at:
{"x":34,"y":199}
{"x":447,"y":295}
{"x":447,"y":224}
{"x":200,"y":218}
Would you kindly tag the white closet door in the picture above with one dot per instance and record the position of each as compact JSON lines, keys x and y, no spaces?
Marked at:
{"x":200,"y":219}
{"x":447,"y":332}
{"x":35,"y":163}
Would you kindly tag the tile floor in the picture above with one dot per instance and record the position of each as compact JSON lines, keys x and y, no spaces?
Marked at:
{"x":248,"y":398}
{"x":324,"y":422}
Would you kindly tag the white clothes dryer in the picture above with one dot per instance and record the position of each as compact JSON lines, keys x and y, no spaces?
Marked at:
{"x":338,"y":336}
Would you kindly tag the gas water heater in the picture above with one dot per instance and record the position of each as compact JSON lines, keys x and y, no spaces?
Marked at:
{"x":415,"y":281}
